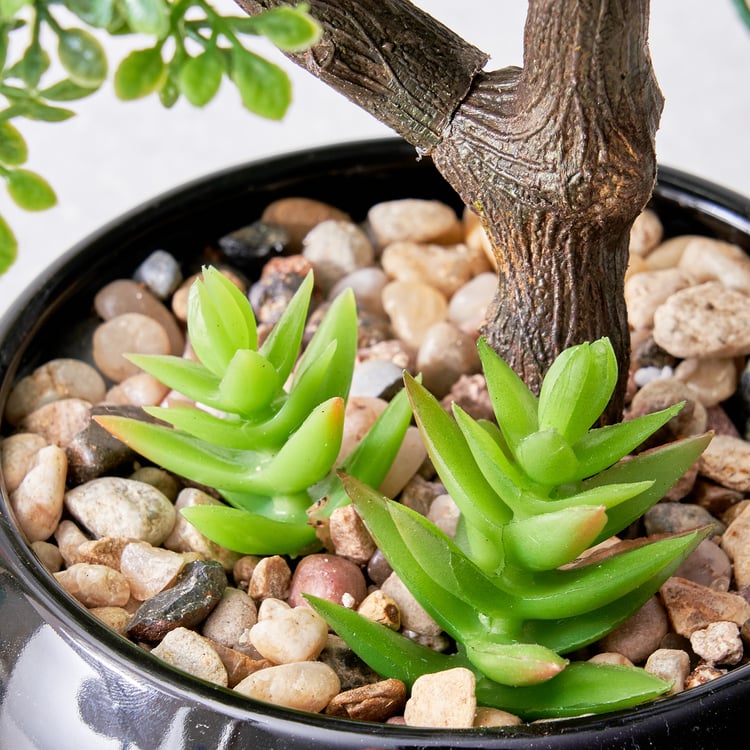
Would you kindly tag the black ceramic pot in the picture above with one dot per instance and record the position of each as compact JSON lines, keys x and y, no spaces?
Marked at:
{"x":66,"y":681}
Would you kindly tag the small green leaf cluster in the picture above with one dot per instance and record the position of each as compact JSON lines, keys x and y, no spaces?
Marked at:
{"x":192,"y":48}
{"x":267,"y":428}
{"x":536,"y":489}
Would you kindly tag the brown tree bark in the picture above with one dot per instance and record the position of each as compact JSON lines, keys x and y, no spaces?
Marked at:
{"x":557,"y":157}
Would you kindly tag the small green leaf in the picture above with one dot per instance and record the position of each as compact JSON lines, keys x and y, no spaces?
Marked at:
{"x":200,"y":77}
{"x":83,"y":57}
{"x":141,"y":73}
{"x":36,"y":110}
{"x":13,"y":150}
{"x":147,"y":16}
{"x":515,"y":664}
{"x":290,"y":29}
{"x":32,"y":66}
{"x":97,"y":13}
{"x":8,"y":246}
{"x":66,"y":91}
{"x":265,"y":89}
{"x":248,"y":533}
{"x":30,"y":191}
{"x":547,"y":458}
{"x":250,"y":382}
{"x":188,"y":377}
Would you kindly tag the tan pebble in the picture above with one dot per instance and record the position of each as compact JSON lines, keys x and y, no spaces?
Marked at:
{"x":299,"y":215}
{"x":116,"y":618}
{"x":646,"y":233}
{"x":56,"y":379}
{"x":412,"y":308}
{"x":640,"y":634}
{"x":611,"y":657}
{"x":476,"y":237}
{"x":413,"y":615}
{"x":359,"y":415}
{"x":95,"y":585}
{"x":718,"y":643}
{"x":184,"y":537}
{"x":140,"y":389}
{"x":238,"y":664}
{"x":667,"y":254}
{"x":703,"y":674}
{"x":17,"y":455}
{"x":726,"y":461}
{"x":349,"y":535}
{"x":467,"y":308}
{"x":285,"y":635}
{"x":645,"y":292}
{"x":444,"y":513}
{"x":307,"y":686}
{"x":379,"y":607}
{"x":192,"y":653}
{"x":271,"y":578}
{"x":129,"y":333}
{"x":104,"y":551}
{"x":69,"y":538}
{"x":446,"y":353}
{"x":165,"y":482}
{"x":671,"y":665}
{"x":374,"y":702}
{"x":235,"y":613}
{"x":49,"y":555}
{"x":242,"y":571}
{"x":443,"y":700}
{"x":38,"y":501}
{"x":712,"y":380}
{"x":707,"y":259}
{"x":494,"y":717}
{"x":411,"y":455}
{"x":736,"y":543}
{"x":707,"y":320}
{"x":412,"y":219}
{"x":149,"y":569}
{"x":60,"y":421}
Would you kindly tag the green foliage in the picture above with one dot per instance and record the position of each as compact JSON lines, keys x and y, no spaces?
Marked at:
{"x":189,"y":49}
{"x":269,"y":448}
{"x":536,"y":491}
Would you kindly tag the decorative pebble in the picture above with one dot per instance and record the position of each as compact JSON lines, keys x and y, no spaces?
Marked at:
{"x":646,"y":232}
{"x":298,"y":216}
{"x":125,"y":296}
{"x":249,"y":247}
{"x":411,"y":455}
{"x":709,"y":565}
{"x":115,"y":506}
{"x":367,"y":285}
{"x":160,"y":273}
{"x":270,"y":295}
{"x":69,"y":538}
{"x":640,"y":634}
{"x":414,"y":220}
{"x":140,"y":389}
{"x":667,"y":254}
{"x":59,"y":421}
{"x":328,"y":577}
{"x":186,"y":604}
{"x":38,"y":500}
{"x":375,"y":702}
{"x":149,"y":569}
{"x":116,"y":618}
{"x":736,"y":543}
{"x":271,"y":579}
{"x":718,"y":643}
{"x":669,"y":518}
{"x":376,"y":378}
{"x":335,"y":249}
{"x":285,"y":635}
{"x":468,"y":306}
{"x":49,"y":555}
{"x":54,"y":380}
{"x":726,"y":461}
{"x":306,"y":686}
{"x":443,"y":699}
{"x":445,"y":354}
{"x":349,"y":668}
{"x":413,"y":614}
{"x":105,"y":551}
{"x":671,"y":665}
{"x":95,"y":585}
{"x":645,"y":292}
{"x":233,"y":615}
{"x":707,"y":320}
{"x":129,"y":333}
{"x":190,"y":652}
{"x":17,"y":455}
{"x":494,"y":717}
{"x":349,"y":536}
{"x":709,"y":259}
{"x":413,"y":307}
{"x":379,"y":607}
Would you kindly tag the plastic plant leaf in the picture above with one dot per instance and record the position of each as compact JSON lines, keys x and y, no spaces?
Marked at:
{"x":453,"y":460}
{"x":83,"y":57}
{"x":515,"y":406}
{"x":602,"y":447}
{"x":265,"y":89}
{"x":303,"y":460}
{"x":250,"y":383}
{"x":581,"y":688}
{"x":576,"y":389}
{"x":339,"y":324}
{"x":290,"y":29}
{"x":664,"y":466}
{"x":547,"y":541}
{"x":199,"y":77}
{"x":546,"y":456}
{"x":281,"y":346}
{"x":29,"y":190}
{"x":574,"y":591}
{"x":188,"y":377}
{"x":13,"y":148}
{"x":139,"y":74}
{"x":248,"y":533}
{"x":516,"y":664}
{"x":220,"y":320}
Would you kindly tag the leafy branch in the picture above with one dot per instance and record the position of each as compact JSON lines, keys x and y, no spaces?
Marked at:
{"x":192,"y":49}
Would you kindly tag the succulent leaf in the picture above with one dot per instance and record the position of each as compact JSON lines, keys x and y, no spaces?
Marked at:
{"x":546,"y":457}
{"x":515,"y":664}
{"x":250,"y":382}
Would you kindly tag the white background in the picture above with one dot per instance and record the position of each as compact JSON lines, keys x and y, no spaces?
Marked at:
{"x":113,"y":156}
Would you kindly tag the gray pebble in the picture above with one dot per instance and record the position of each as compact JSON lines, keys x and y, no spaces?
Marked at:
{"x":160,"y":272}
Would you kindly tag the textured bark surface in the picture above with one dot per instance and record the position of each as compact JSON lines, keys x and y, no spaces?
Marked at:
{"x":556,"y":157}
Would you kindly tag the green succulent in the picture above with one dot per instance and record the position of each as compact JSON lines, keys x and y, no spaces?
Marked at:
{"x":535,"y":491}
{"x":268,"y":448}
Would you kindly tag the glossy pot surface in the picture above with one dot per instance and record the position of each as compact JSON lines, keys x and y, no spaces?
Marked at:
{"x":66,"y":681}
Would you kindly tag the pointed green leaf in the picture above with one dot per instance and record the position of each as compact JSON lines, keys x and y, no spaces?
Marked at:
{"x":66,"y":91}
{"x":200,"y":77}
{"x":515,"y":406}
{"x":190,"y":378}
{"x":290,"y":29}
{"x":147,"y":16}
{"x":548,"y":459}
{"x":248,"y":533}
{"x":515,"y":664}
{"x":141,"y":73}
{"x":30,"y":191}
{"x":13,"y":150}
{"x":250,"y":383}
{"x":8,"y":246}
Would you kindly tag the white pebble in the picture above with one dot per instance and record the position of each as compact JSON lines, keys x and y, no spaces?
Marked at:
{"x":192,"y":653}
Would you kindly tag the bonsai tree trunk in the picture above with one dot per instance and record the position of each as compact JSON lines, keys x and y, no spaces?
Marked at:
{"x":557,"y":157}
